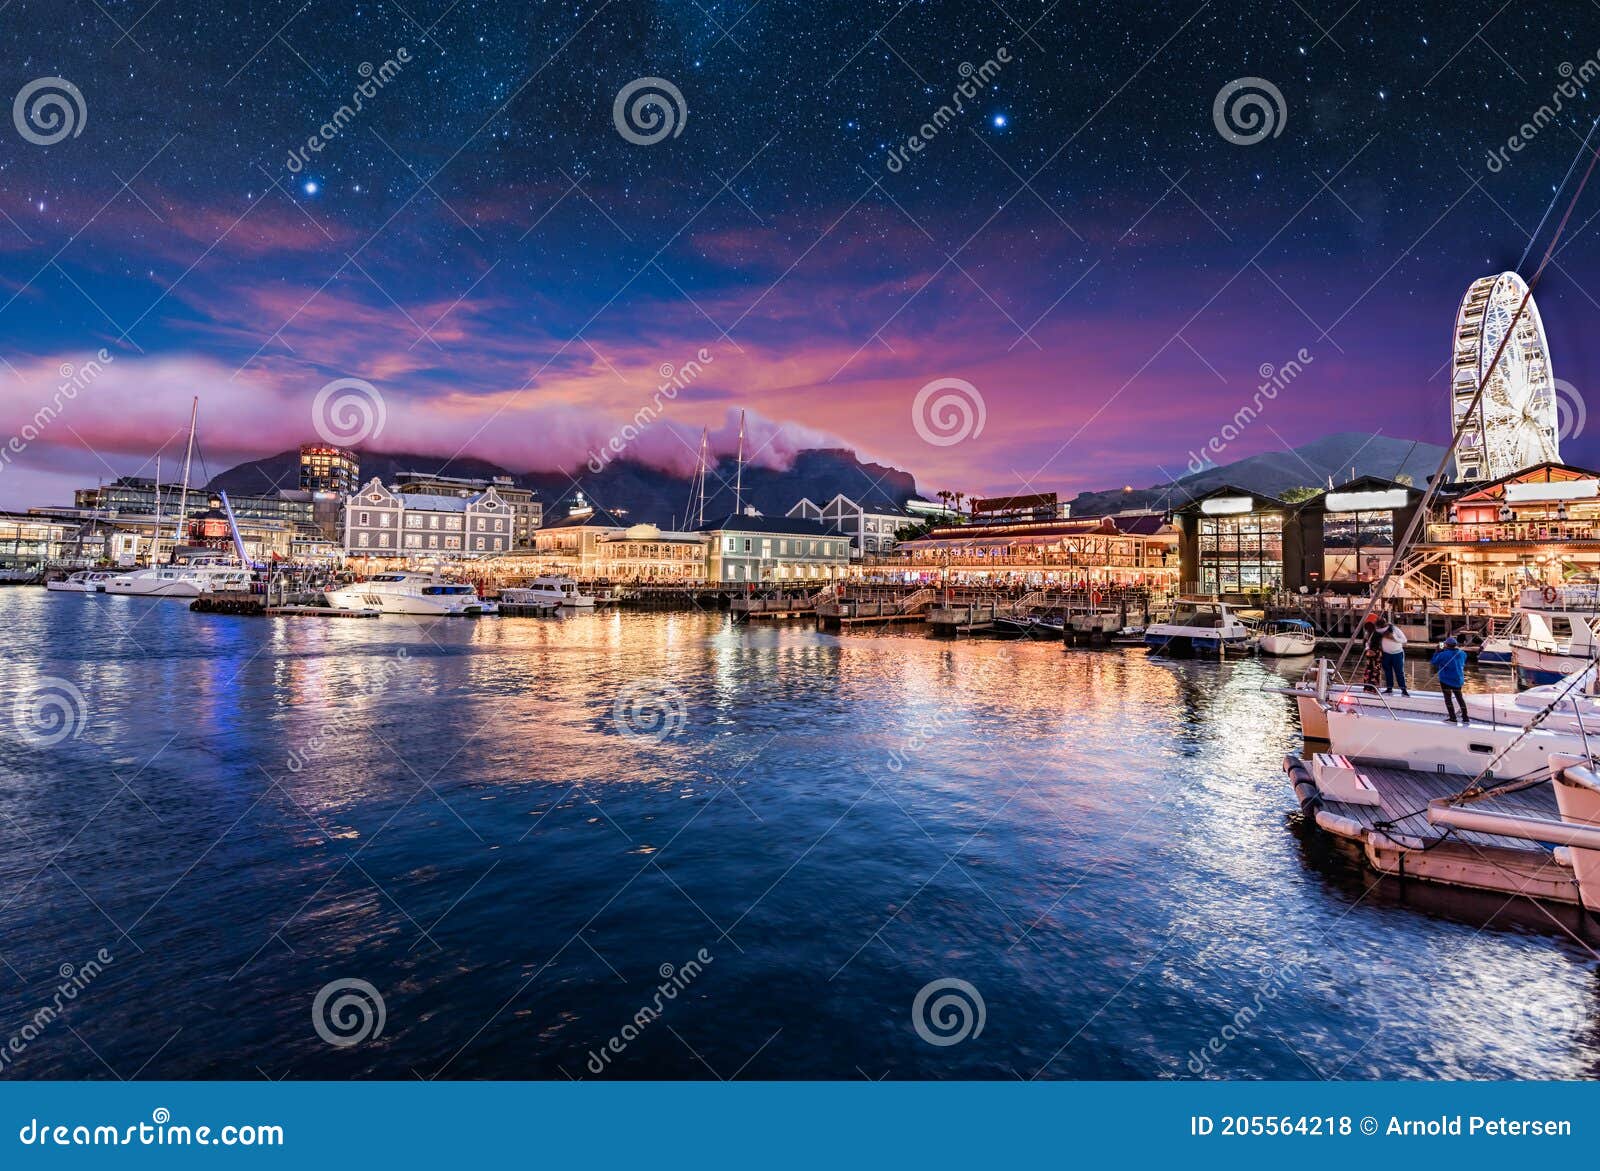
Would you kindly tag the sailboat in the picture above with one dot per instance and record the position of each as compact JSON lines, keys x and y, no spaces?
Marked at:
{"x":192,"y":577}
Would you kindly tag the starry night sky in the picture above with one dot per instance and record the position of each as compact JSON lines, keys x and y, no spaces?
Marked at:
{"x":483,"y":246}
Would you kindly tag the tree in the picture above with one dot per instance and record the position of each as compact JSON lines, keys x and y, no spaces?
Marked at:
{"x":1296,"y":495}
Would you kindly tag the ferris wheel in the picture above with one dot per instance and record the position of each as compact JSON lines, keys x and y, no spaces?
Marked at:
{"x":1515,"y":423}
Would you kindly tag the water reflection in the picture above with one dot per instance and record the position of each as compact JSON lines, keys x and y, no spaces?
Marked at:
{"x":1100,"y":843}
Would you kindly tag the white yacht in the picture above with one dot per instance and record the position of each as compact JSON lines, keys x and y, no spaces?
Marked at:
{"x":85,"y":581}
{"x":1288,"y":638}
{"x":180,"y":580}
{"x":1203,"y":627}
{"x":563,"y":591}
{"x":1552,"y":632}
{"x":424,"y":594}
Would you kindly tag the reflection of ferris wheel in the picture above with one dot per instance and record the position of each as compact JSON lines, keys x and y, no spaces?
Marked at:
{"x":1515,"y":424}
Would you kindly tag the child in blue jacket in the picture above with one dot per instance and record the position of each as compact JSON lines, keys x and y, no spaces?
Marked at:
{"x":1451,"y":663}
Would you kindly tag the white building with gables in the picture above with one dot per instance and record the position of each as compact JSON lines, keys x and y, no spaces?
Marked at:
{"x":383,"y":522}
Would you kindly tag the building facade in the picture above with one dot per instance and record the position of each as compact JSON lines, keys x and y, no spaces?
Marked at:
{"x":324,"y":468}
{"x":1236,"y":542}
{"x":1137,"y":548}
{"x":760,"y":549}
{"x":383,"y":522}
{"x":527,"y":512}
{"x":644,"y":553}
{"x":28,"y":543}
{"x":871,"y":527}
{"x":572,"y":545}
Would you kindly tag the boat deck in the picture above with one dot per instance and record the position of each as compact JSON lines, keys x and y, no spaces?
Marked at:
{"x":1406,"y":794}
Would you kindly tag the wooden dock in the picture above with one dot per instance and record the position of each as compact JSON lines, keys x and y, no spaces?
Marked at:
{"x":1397,"y":839}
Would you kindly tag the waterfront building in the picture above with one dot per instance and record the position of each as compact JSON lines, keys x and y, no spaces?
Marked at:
{"x":1486,"y":542}
{"x":527,"y":513}
{"x":872,"y":527}
{"x":572,"y":545}
{"x":644,"y":552}
{"x":1131,"y":548}
{"x":385,"y":522}
{"x":752,"y":548}
{"x":29,"y":542}
{"x":324,"y":468}
{"x":1232,"y":542}
{"x":1347,"y":535}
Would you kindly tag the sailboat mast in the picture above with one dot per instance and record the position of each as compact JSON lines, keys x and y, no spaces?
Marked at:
{"x":188,"y":457}
{"x":705,"y":466}
{"x":738,"y":475}
{"x":155,"y":544}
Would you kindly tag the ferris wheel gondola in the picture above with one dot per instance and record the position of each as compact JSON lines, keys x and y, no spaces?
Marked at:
{"x":1515,"y":424}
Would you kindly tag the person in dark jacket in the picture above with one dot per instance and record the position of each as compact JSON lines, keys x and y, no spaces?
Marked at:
{"x":1450,"y":663}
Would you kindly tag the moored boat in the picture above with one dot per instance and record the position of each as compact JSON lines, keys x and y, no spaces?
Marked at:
{"x":1288,"y":637}
{"x":85,"y":581}
{"x":421,"y":594}
{"x":1203,"y":628}
{"x":563,"y":591}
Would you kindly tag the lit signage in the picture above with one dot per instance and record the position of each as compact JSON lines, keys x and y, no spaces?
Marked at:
{"x":1367,"y":501}
{"x":1226,"y":505}
{"x":1556,"y":490}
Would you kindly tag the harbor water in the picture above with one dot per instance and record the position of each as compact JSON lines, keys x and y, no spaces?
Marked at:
{"x":626,"y":845}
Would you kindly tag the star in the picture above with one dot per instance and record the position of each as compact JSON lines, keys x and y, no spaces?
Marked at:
{"x":999,"y":121}
{"x":310,"y":187}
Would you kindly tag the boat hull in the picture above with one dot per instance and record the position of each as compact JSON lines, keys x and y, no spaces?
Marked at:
{"x":1287,"y":646}
{"x":1199,"y":646}
{"x":355,"y":599}
{"x":1535,"y":668}
{"x":158,"y":589}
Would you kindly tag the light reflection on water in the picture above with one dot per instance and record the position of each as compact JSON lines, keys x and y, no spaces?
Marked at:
{"x":1100,"y":843}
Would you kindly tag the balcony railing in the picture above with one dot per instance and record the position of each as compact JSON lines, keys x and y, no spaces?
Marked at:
{"x":1514,"y":531}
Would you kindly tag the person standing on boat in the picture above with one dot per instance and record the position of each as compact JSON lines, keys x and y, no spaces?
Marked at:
{"x":1451,"y":662}
{"x":1372,"y":653}
{"x":1392,"y":646}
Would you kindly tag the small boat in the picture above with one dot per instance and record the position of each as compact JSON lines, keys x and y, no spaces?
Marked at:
{"x":563,"y":591}
{"x":1200,"y":627}
{"x":85,"y":581}
{"x":423,"y":594}
{"x":1288,"y":637}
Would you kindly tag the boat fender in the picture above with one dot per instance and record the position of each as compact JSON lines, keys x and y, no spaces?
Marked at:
{"x":1338,"y":825}
{"x":1563,"y":855}
{"x":1305,"y":788}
